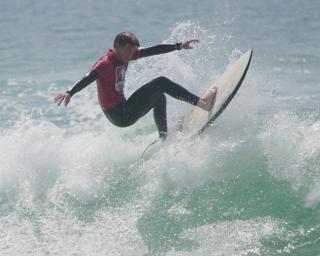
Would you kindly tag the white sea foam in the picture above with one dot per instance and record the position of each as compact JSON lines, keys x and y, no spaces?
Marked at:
{"x":291,"y":144}
{"x":230,"y":238}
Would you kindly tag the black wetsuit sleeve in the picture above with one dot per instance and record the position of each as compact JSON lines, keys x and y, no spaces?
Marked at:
{"x":159,"y":49}
{"x":84,"y":82}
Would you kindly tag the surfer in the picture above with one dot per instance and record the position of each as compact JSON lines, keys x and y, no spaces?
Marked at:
{"x":109,"y":73}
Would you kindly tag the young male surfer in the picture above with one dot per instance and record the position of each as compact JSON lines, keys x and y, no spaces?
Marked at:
{"x":109,"y":72}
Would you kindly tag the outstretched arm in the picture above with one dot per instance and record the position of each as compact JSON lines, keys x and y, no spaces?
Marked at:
{"x":78,"y":86}
{"x":165,"y":48}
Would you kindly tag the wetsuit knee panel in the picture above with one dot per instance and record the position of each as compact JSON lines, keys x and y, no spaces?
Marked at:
{"x":161,"y":84}
{"x":162,"y":80}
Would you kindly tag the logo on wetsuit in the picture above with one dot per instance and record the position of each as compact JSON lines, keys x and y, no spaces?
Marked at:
{"x":120,"y":78}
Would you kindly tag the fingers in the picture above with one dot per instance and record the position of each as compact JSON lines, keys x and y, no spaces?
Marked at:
{"x":193,"y":41}
{"x":62,"y":98}
{"x":186,"y":44}
{"x":57,"y":98}
{"x":66,"y":101}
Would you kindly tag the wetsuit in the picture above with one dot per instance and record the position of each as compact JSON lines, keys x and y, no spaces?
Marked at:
{"x":110,"y":75}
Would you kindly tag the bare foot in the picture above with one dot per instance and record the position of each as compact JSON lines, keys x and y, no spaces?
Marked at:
{"x":207,"y":102}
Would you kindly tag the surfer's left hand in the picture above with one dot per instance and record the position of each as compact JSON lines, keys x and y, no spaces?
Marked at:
{"x":186,"y":44}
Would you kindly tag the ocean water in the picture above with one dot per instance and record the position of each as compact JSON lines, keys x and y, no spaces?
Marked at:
{"x":72,"y":184}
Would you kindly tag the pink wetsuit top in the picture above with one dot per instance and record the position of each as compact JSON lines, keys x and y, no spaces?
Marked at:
{"x":110,"y":84}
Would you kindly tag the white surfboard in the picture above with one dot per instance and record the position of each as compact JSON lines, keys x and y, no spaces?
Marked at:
{"x":227,"y":84}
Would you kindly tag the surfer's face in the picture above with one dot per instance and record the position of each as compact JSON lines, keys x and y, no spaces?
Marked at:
{"x":126,"y":52}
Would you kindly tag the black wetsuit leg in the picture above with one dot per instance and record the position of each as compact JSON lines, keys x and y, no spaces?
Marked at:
{"x":149,"y":96}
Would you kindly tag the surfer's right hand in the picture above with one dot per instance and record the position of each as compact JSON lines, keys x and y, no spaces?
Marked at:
{"x":62,"y":97}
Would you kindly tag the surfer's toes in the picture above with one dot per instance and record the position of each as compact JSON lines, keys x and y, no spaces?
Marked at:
{"x":207,"y":102}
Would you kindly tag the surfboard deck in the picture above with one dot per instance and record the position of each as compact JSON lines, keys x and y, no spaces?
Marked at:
{"x":227,"y":84}
{"x":199,"y":120}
